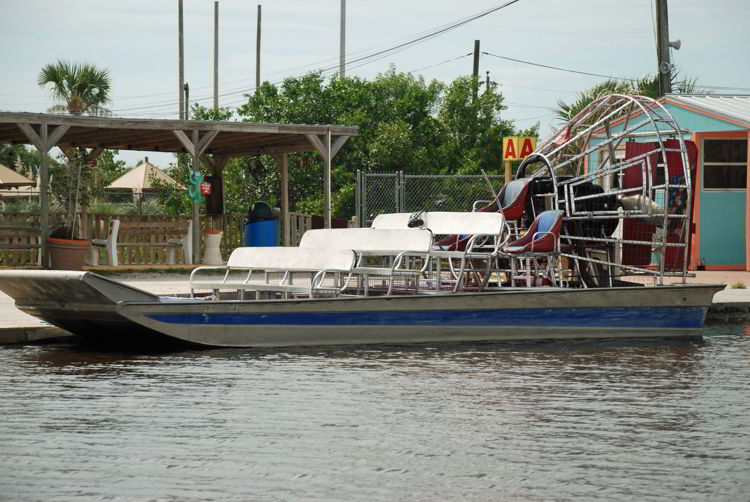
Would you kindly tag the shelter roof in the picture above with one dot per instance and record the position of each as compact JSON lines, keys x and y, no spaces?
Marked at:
{"x":9,"y":178}
{"x":141,"y":179}
{"x":736,"y":108}
{"x":232,"y":138}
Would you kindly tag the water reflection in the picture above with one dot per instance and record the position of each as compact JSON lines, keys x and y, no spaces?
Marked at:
{"x":538,"y":421}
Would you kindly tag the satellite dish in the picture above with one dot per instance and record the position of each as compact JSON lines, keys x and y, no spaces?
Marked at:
{"x":675,"y":44}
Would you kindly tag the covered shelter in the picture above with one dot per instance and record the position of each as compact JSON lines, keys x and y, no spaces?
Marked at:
{"x":142,"y":179}
{"x":213,"y":143}
{"x":11,"y":179}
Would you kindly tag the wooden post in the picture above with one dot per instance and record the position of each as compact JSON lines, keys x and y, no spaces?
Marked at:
{"x":181,"y":61}
{"x":327,"y":183}
{"x":662,"y":47}
{"x":196,"y":207}
{"x":43,"y":141}
{"x":196,"y":146}
{"x":44,"y":195}
{"x":282,"y":161}
{"x":216,"y":55}
{"x":508,"y":171}
{"x":257,"y":53}
{"x":327,"y":151}
{"x":475,"y":70}
{"x":342,"y":41}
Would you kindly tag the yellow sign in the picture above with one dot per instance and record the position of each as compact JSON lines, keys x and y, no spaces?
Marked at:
{"x":518,"y":147}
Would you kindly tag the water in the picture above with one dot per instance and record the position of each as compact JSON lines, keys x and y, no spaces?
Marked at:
{"x":556,"y":421}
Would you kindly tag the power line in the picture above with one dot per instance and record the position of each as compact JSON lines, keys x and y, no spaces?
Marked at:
{"x":560,"y":69}
{"x":441,"y":63}
{"x":368,"y":58}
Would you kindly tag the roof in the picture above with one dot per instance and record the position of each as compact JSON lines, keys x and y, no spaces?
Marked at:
{"x":733,"y":107}
{"x":231,"y":138}
{"x":10,"y":178}
{"x":141,"y":178}
{"x":27,"y":191}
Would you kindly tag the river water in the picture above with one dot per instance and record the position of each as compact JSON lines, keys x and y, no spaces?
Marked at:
{"x":597,"y":421}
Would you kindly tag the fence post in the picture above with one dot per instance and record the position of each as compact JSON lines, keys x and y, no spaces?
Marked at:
{"x":364,"y":200}
{"x":396,"y":191}
{"x":401,"y":180}
{"x":358,"y":196}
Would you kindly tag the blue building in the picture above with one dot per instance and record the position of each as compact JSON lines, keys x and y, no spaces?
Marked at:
{"x":719,"y":125}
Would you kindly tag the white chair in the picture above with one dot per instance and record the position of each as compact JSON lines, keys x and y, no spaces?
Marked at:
{"x":187,"y":246}
{"x":109,"y":244}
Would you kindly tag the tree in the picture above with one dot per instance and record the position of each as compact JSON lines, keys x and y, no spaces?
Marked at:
{"x":82,"y":87}
{"x":646,"y":86}
{"x":405,"y":124}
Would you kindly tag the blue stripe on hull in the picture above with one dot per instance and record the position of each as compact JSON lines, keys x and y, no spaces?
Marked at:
{"x":631,"y":317}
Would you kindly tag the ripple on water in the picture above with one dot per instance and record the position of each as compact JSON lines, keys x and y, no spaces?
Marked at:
{"x":585,"y":421}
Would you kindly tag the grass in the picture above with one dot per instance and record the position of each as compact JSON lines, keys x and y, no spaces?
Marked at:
{"x":738,"y":285}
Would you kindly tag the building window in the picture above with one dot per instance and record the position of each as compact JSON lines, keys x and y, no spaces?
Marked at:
{"x":724,"y":164}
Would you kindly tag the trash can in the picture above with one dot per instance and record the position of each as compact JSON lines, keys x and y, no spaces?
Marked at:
{"x":261,"y":226}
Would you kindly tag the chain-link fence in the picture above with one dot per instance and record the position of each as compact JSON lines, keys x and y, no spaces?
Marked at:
{"x":400,"y":193}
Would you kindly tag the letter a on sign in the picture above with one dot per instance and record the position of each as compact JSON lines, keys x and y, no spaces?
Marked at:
{"x":527,"y":147}
{"x":510,"y":148}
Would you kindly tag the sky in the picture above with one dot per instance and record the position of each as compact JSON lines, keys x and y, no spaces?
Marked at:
{"x":137,"y":40}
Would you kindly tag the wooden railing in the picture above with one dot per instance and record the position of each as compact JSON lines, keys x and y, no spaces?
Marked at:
{"x":96,"y":226}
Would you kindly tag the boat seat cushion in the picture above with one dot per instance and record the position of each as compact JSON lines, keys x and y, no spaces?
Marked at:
{"x":388,"y":241}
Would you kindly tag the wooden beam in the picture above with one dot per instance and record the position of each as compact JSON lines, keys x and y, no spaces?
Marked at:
{"x":327,"y":183}
{"x":185,"y":141}
{"x":183,"y":125}
{"x":319,"y":145}
{"x":282,"y":161}
{"x":205,"y":141}
{"x":32,"y":136}
{"x":338,"y":144}
{"x":196,"y":207}
{"x":95,"y":154}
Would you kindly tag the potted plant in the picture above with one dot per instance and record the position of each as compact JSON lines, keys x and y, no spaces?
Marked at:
{"x":80,"y":88}
{"x":71,"y":188}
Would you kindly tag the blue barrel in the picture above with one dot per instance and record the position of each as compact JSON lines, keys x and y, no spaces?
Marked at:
{"x":261,"y":226}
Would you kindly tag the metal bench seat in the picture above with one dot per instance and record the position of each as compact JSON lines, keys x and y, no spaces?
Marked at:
{"x":246,"y":264}
{"x":396,"y":249}
{"x":474,"y":239}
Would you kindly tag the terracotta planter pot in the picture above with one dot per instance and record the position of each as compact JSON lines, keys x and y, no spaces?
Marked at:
{"x":67,"y":254}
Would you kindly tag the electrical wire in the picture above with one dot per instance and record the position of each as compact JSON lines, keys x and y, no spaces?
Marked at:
{"x":365,"y":59}
{"x":559,"y":68}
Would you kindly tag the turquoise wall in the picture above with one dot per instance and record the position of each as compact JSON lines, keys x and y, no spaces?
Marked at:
{"x":723,"y":227}
{"x":696,"y":122}
{"x":723,"y":213}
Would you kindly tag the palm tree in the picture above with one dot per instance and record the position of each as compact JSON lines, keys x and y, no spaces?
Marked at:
{"x":646,"y":86}
{"x":83,"y":87}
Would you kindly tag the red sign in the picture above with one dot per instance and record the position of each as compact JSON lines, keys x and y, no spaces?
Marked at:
{"x":205,"y":188}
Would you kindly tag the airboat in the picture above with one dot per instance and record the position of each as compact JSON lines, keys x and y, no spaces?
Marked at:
{"x":590,"y":240}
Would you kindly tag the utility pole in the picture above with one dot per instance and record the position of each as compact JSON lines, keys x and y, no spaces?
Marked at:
{"x":257,"y":53}
{"x":181,"y":62}
{"x":216,"y":55}
{"x":662,"y":47}
{"x":342,"y":43}
{"x":475,"y":72}
{"x":186,"y":100}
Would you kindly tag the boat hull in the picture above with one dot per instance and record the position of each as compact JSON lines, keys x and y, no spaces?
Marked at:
{"x":102,"y":309}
